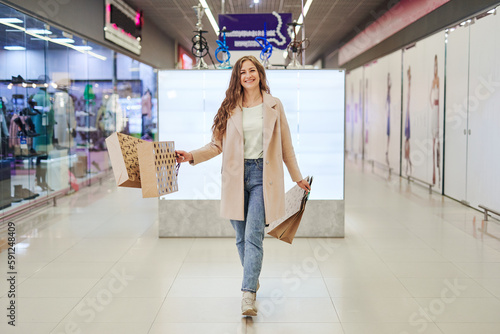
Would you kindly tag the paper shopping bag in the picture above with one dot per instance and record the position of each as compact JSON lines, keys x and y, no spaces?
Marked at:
{"x":157,"y":168}
{"x":122,"y":151}
{"x":285,"y":228}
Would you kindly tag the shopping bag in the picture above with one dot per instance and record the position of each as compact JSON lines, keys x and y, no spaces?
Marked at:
{"x":285,"y":228}
{"x":122,"y":151}
{"x":158,"y":168}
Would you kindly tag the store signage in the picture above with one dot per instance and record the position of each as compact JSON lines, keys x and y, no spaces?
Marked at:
{"x":123,"y":25}
{"x":245,"y":27}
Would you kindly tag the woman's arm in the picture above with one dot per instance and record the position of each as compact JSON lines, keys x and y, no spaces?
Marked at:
{"x":288,"y":152}
{"x":205,"y":153}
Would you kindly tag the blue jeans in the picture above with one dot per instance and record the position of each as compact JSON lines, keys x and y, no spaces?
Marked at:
{"x":250,"y":232}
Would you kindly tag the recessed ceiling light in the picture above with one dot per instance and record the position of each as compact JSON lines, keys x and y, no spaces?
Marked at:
{"x":39,"y":31}
{"x":63,"y":40}
{"x":82,"y":47}
{"x":10,"y":20}
{"x":14,"y":48}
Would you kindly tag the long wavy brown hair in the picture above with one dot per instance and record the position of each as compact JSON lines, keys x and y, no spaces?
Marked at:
{"x":234,"y":95}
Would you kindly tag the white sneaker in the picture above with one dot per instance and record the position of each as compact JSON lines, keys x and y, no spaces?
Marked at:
{"x":248,"y":304}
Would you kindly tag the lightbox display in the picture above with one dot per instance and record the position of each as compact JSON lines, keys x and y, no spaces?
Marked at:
{"x":314,"y":105}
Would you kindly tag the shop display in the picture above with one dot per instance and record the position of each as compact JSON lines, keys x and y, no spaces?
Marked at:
{"x":296,"y":47}
{"x":57,"y":107}
{"x":226,"y":56}
{"x":200,"y":44}
{"x":267,"y":48}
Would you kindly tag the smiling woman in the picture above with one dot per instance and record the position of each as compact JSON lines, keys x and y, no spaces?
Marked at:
{"x":251,"y":130}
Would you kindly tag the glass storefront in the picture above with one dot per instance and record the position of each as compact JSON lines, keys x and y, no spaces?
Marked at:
{"x":60,"y":97}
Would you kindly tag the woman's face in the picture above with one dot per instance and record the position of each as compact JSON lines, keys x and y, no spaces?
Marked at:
{"x":249,"y":76}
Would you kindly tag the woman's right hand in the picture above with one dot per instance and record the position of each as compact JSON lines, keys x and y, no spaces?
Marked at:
{"x":183,"y":156}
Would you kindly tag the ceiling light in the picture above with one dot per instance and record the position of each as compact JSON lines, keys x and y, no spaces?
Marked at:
{"x":79,"y":48}
{"x":211,"y":18}
{"x":491,"y":11}
{"x":38,"y":31}
{"x":10,"y":20}
{"x":14,"y":48}
{"x":63,"y":40}
{"x":303,"y":16}
{"x":255,"y":1}
{"x":82,"y":47}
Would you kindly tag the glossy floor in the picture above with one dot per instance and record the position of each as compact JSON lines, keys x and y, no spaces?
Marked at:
{"x":410,"y":263}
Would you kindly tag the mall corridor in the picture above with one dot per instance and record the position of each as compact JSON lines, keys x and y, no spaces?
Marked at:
{"x":410,"y":263}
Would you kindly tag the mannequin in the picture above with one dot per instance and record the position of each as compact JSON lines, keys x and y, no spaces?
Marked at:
{"x":64,"y":115}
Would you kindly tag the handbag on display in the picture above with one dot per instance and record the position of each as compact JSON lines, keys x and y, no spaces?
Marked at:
{"x":284,"y":229}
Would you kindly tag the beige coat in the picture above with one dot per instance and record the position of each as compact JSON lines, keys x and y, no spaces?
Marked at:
{"x":277,"y":149}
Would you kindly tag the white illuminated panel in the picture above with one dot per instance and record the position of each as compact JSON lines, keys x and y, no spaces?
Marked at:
{"x":314,"y":106}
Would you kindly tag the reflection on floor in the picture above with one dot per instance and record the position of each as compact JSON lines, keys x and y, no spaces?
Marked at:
{"x":410,"y":263}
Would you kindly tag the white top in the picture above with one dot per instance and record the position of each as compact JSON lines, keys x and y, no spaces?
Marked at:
{"x":252,"y":132}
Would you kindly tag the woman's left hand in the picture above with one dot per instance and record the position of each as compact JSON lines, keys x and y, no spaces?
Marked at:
{"x":304,"y":185}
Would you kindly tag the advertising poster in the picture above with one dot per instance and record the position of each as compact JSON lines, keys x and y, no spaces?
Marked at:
{"x":354,"y":112}
{"x":382,"y":117}
{"x":423,"y":99}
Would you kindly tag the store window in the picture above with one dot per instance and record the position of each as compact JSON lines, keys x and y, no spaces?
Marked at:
{"x":60,"y":98}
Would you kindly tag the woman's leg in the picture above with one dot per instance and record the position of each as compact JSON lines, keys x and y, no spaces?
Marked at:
{"x":239,"y":227}
{"x":254,"y":231}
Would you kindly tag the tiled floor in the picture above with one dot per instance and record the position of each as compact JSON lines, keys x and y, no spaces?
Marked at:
{"x":410,"y":263}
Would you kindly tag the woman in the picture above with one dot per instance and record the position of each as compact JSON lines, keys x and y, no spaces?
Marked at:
{"x":251,"y":129}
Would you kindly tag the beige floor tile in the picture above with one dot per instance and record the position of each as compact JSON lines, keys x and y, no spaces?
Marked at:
{"x":490,"y":284}
{"x":73,"y":270}
{"x":461,"y":309}
{"x":205,"y":328}
{"x":125,"y":285}
{"x":41,"y":310}
{"x":302,"y":310}
{"x":391,"y":328}
{"x":376,"y":310}
{"x":55,"y":287}
{"x":410,"y":255}
{"x":200,"y":310}
{"x":366,"y":287}
{"x":102,"y":328}
{"x":308,"y":268}
{"x":426,"y":269}
{"x":293,"y":328}
{"x":468,"y":328}
{"x":107,"y":307}
{"x":293,"y":286}
{"x":206,"y":287}
{"x":376,"y":269}
{"x":27,"y":328}
{"x":203,"y":269}
{"x":436,"y":287}
{"x":480,"y":270}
